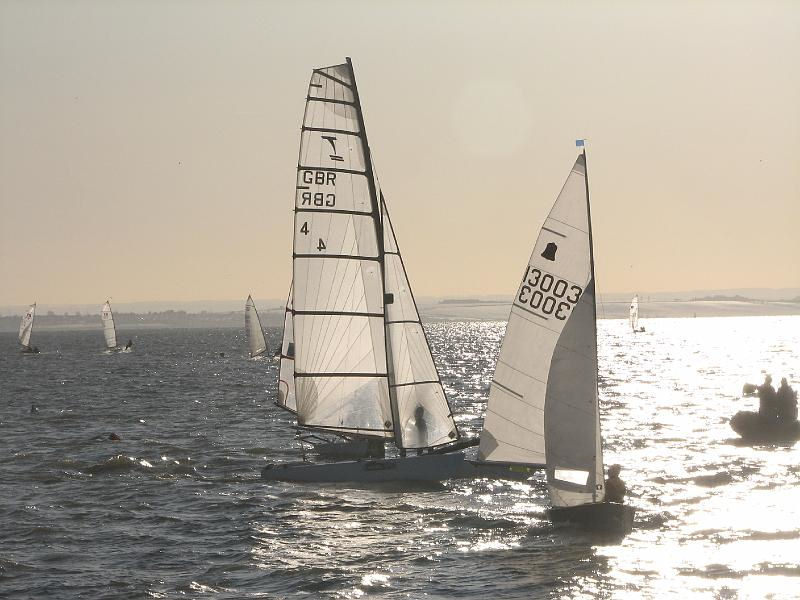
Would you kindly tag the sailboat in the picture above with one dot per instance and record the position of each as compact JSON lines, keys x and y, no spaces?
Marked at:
{"x":26,"y":329}
{"x":634,"y":315}
{"x":355,"y":360}
{"x":252,"y":326}
{"x":109,"y":331}
{"x":543,"y":400}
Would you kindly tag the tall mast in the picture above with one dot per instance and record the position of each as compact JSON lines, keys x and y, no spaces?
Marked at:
{"x":594,"y":301}
{"x":376,"y":216}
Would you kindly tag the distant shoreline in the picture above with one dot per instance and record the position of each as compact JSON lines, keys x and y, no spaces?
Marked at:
{"x":452,"y":310}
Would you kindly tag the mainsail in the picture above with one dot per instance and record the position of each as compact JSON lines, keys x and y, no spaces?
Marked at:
{"x":361,"y":360}
{"x":286,"y":396}
{"x":252,"y":325}
{"x":109,"y":331}
{"x":543,"y":399}
{"x":634,"y":315}
{"x":26,"y":326}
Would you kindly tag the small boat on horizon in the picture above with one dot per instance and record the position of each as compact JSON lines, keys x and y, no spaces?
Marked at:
{"x":26,"y":329}
{"x":256,"y":342}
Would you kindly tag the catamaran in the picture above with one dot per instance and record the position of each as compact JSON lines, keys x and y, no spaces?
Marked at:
{"x":252,"y":326}
{"x":633,"y":317}
{"x":543,"y":400}
{"x":355,"y":361}
{"x":109,"y":331}
{"x":26,"y":329}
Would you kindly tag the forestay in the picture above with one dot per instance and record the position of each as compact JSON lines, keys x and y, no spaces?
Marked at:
{"x":26,"y":326}
{"x":109,"y":331}
{"x":543,"y":398}
{"x":422,"y":414}
{"x":286,"y":397}
{"x":340,"y":354}
{"x":634,"y":315}
{"x":252,"y":325}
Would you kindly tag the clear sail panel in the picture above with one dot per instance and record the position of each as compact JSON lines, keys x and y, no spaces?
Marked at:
{"x":345,"y":404}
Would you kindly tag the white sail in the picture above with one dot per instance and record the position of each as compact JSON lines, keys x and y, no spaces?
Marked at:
{"x":109,"y":331}
{"x":543,"y":398}
{"x":286,"y":395}
{"x":421,"y":413}
{"x":634,"y":314}
{"x":252,"y":326}
{"x":341,"y":380}
{"x":26,"y":326}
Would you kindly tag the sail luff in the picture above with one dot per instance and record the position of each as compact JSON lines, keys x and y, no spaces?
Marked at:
{"x":255,"y":334}
{"x":599,"y":470}
{"x":378,"y":221}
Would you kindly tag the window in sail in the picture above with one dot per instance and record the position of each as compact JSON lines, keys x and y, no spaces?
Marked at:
{"x":572,"y":476}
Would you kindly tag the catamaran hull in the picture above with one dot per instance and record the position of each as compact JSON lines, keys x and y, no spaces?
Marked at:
{"x":753,"y":428}
{"x":598,"y":517}
{"x":431,"y":467}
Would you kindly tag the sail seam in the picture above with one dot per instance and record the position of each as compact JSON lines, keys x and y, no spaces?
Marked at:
{"x":568,"y":225}
{"x":509,"y":390}
{"x":334,"y":374}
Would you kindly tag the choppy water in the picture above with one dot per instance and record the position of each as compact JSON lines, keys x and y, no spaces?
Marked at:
{"x":176,"y":509}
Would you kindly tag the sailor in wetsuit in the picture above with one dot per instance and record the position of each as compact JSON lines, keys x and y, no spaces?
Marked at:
{"x":129,"y":345}
{"x":615,"y":487}
{"x":786,"y":400}
{"x":767,"y":400}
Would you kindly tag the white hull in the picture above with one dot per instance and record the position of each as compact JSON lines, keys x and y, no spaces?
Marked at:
{"x":430,"y":467}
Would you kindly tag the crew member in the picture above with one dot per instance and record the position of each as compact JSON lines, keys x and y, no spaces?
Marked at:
{"x":615,"y":487}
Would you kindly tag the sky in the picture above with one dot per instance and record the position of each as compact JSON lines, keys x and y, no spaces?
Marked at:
{"x":148,"y":150}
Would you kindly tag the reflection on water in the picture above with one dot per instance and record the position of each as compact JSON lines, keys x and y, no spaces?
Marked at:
{"x":176,"y":507}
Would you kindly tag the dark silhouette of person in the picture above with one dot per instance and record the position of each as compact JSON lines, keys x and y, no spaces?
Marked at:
{"x":129,"y":345}
{"x":615,"y":487}
{"x":34,"y":409}
{"x":786,"y":401}
{"x":767,"y":401}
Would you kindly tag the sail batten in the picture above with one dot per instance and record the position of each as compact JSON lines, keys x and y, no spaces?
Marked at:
{"x":543,"y":405}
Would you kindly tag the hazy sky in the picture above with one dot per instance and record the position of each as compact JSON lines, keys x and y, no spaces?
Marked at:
{"x":148,"y":149}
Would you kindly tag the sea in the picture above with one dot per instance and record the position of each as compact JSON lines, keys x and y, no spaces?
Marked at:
{"x":176,"y":508}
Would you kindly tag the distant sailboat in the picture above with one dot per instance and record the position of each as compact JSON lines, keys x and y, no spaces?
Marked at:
{"x":26,"y":329}
{"x":634,"y":315}
{"x":252,"y":326}
{"x":355,"y":360}
{"x":543,"y":401}
{"x":109,"y":331}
